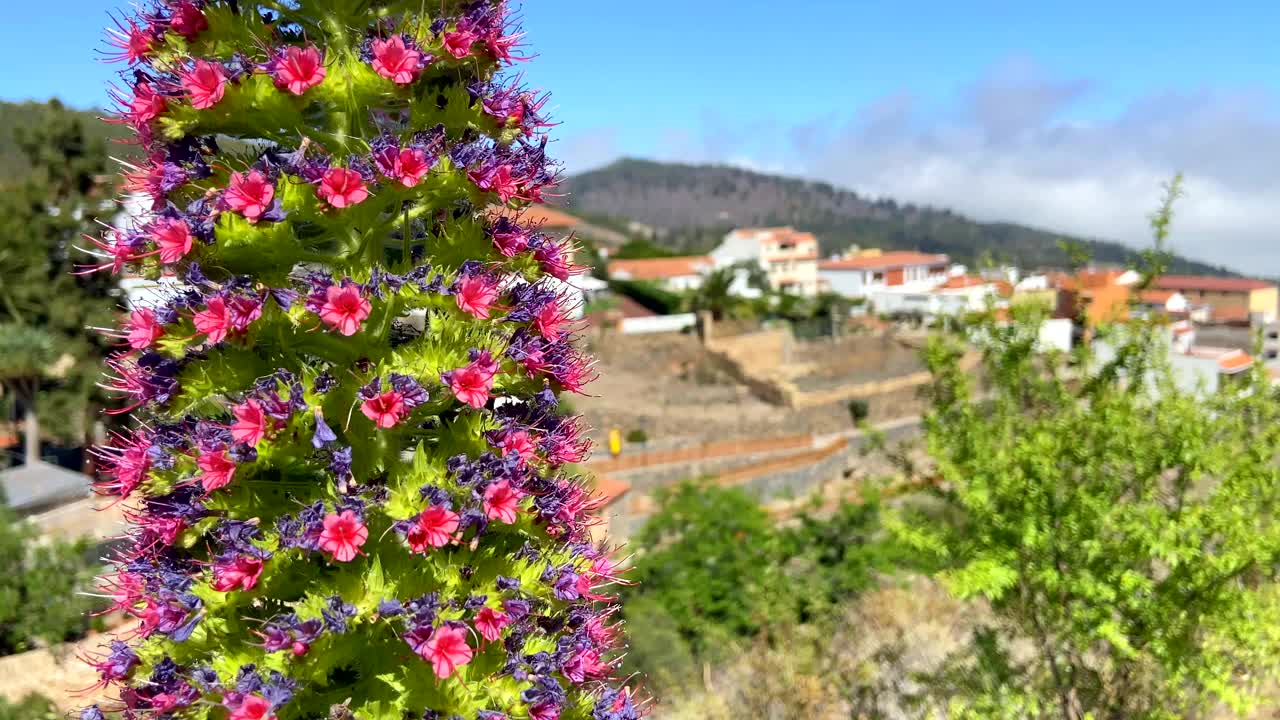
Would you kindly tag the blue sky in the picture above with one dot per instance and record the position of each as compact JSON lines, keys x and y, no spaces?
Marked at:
{"x":1054,"y":105}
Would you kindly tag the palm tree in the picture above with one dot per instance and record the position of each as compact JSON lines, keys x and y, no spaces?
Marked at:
{"x":26,"y":356}
{"x":714,"y":294}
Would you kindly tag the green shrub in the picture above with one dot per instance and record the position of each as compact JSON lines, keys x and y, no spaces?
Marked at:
{"x":41,"y":587}
{"x":31,"y":707}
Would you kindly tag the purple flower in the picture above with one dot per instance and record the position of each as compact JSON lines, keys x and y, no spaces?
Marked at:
{"x":275,"y":638}
{"x":340,"y":462}
{"x":517,"y":609}
{"x":324,"y":383}
{"x":323,"y":434}
{"x":336,"y":613}
{"x":278,"y":690}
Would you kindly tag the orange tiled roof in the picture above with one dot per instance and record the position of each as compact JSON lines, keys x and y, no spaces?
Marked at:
{"x":1156,"y":297}
{"x":660,"y":268}
{"x":1084,"y":279}
{"x":1234,"y":362}
{"x":1099,"y":278}
{"x":884,"y":260}
{"x":1210,"y":284}
{"x":777,"y":234}
{"x":957,"y":282}
{"x":611,"y":489}
{"x":539,"y":215}
{"x":1231,"y":314}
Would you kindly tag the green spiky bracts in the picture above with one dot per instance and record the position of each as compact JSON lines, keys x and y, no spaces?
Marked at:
{"x":346,"y":481}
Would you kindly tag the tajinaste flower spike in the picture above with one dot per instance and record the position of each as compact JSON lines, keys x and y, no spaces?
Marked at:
{"x":348,"y":474}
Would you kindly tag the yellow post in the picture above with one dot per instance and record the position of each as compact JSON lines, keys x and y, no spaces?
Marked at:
{"x":615,"y":443}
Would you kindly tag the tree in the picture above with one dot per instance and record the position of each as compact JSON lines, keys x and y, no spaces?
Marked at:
{"x":712,"y":561}
{"x":714,"y":295}
{"x":1121,"y":525}
{"x":42,"y":219}
{"x":347,"y":476}
{"x":42,"y":587}
{"x":26,"y":358}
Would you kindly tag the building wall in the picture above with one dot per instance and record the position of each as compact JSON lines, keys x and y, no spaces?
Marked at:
{"x":1264,"y":301}
{"x":848,"y":283}
{"x":680,"y":283}
{"x":862,"y":283}
{"x":736,"y":248}
{"x":1107,"y":303}
{"x":800,"y":274}
{"x":1236,"y":302}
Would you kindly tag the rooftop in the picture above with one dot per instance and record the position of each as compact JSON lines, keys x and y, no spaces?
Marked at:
{"x":1234,"y":362}
{"x":41,"y":484}
{"x":776,"y":234}
{"x":660,"y":268}
{"x":540,"y":215}
{"x":884,"y":260}
{"x":957,"y":282}
{"x":1210,"y":284}
{"x":1156,"y":297}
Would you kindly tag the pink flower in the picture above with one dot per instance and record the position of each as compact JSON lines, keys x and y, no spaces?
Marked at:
{"x":187,"y":20}
{"x":214,"y":320}
{"x":490,"y":623}
{"x":518,"y":442}
{"x":343,"y":535}
{"x":544,"y":711}
{"x":434,"y":528}
{"x":601,"y":633}
{"x":394,"y":60}
{"x":475,"y":295}
{"x":243,"y":311}
{"x":344,"y":309}
{"x":298,"y":69}
{"x":173,"y":238}
{"x":146,"y":105}
{"x":471,"y":384}
{"x":551,"y":321}
{"x":499,"y":180}
{"x":133,"y":42}
{"x":251,"y":423}
{"x":447,"y":650}
{"x":501,"y":502}
{"x":216,"y":470}
{"x":509,"y":239}
{"x":253,"y":707}
{"x":385,"y":410}
{"x":586,"y":664}
{"x":143,"y":329}
{"x":342,"y":187}
{"x":250,"y":195}
{"x":411,"y":166}
{"x":242,"y":573}
{"x":205,"y":83}
{"x":458,"y":43}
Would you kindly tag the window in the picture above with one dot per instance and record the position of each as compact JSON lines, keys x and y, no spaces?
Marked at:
{"x":877,"y":277}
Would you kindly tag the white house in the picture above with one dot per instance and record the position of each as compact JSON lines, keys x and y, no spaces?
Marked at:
{"x":672,"y":273}
{"x":870,"y":273}
{"x":788,"y":257}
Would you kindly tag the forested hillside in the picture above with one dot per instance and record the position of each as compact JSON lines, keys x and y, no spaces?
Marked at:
{"x":692,"y":206}
{"x":18,"y":119}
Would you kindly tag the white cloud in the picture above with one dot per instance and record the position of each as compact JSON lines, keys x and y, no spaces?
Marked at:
{"x":1011,"y":147}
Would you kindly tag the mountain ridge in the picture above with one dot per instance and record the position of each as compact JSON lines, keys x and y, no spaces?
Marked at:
{"x":690,"y":207}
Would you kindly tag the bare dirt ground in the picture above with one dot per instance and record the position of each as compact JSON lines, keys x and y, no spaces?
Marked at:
{"x":665,"y":385}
